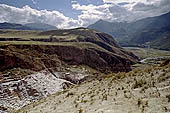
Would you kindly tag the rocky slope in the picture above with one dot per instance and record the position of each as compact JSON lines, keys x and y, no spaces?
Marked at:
{"x":37,"y":66}
{"x":143,"y":90}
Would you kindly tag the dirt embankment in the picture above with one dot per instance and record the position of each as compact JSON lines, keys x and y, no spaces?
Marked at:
{"x":39,"y":57}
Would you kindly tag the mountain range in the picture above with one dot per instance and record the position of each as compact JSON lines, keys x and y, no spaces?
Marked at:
{"x":29,"y":26}
{"x":37,"y":63}
{"x":149,"y":32}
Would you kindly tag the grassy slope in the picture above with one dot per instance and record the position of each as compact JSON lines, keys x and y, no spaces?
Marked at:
{"x":80,"y":37}
{"x":65,"y":35}
{"x":107,"y":95}
{"x":143,"y":90}
{"x":39,"y":34}
{"x":17,"y":33}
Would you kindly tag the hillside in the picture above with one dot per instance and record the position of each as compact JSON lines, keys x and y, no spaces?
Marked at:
{"x":6,"y":25}
{"x":30,"y":26}
{"x":40,"y":26}
{"x":77,"y":46}
{"x":38,"y":64}
{"x":143,"y":90}
{"x":115,"y":29}
{"x":152,"y":31}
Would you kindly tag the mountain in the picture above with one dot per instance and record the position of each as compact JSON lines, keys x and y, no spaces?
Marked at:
{"x":115,"y":29}
{"x":154,"y":32}
{"x":6,"y":25}
{"x":30,"y":26}
{"x":40,"y":26}
{"x":150,"y":31}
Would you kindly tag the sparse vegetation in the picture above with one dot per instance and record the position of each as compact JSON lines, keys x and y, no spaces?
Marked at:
{"x":121,"y":89}
{"x":145,"y":86}
{"x":168,"y":97}
{"x":139,"y":83}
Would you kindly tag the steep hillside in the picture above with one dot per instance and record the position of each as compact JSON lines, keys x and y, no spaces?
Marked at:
{"x":39,"y":64}
{"x":76,"y":46}
{"x":143,"y":90}
{"x":156,"y":38}
{"x":115,"y":29}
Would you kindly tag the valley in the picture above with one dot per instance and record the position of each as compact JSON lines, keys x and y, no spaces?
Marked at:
{"x":145,"y":89}
{"x":84,"y":56}
{"x":42,"y":71}
{"x":45,"y":84}
{"x":41,"y":63}
{"x":152,"y":32}
{"x":81,"y":69}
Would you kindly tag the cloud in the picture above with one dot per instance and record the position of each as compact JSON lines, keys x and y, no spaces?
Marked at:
{"x":91,"y":13}
{"x":141,"y":5}
{"x":121,"y":10}
{"x":110,"y":10}
{"x":150,"y":8}
{"x":119,"y":1}
{"x":73,"y":2}
{"x":29,"y":15}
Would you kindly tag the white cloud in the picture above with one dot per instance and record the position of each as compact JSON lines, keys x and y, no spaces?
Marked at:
{"x":29,"y":15}
{"x":150,"y":8}
{"x":143,"y":4}
{"x":92,"y":13}
{"x":121,"y":10}
{"x":111,"y":10}
{"x":118,"y":1}
{"x":73,"y":2}
{"x":131,"y":1}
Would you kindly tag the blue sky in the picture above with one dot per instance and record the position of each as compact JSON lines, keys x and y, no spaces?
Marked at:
{"x":64,"y":6}
{"x":78,"y":13}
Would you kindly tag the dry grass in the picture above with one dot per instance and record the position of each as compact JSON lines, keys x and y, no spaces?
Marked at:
{"x":135,"y":92}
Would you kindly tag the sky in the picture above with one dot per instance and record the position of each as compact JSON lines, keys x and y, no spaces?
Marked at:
{"x":79,"y":13}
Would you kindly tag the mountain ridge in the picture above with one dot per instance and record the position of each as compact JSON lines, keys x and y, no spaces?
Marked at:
{"x":142,"y":32}
{"x":29,"y":26}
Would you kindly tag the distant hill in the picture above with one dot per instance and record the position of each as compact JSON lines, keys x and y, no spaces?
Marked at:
{"x":116,"y":29}
{"x":6,"y":25}
{"x":40,"y":26}
{"x":152,"y":31}
{"x":30,"y":26}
